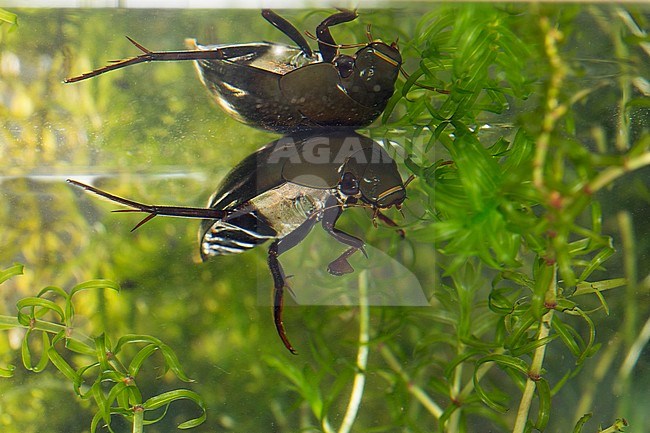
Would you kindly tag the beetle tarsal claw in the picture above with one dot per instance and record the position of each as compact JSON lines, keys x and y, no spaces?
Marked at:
{"x":340,"y":266}
{"x":363,"y":251}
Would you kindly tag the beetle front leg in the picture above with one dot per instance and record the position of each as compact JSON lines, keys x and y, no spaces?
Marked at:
{"x":340,"y":266}
{"x":389,"y":222}
{"x":326,"y":44}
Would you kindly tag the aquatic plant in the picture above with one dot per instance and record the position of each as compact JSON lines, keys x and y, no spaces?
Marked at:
{"x":101,"y":371}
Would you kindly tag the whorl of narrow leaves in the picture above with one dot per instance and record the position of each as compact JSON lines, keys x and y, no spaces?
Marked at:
{"x":52,"y":324}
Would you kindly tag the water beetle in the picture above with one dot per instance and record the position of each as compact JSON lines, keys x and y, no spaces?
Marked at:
{"x":287,"y":89}
{"x":281,"y":191}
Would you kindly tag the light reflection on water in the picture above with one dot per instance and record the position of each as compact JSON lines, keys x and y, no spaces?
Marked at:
{"x":90,"y":175}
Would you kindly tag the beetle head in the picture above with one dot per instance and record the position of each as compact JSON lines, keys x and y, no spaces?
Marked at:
{"x":371,"y":175}
{"x":375,"y":70}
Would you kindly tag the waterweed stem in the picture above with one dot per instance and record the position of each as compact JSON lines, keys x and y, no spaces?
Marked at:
{"x":362,"y":356}
{"x":454,"y":419}
{"x":554,"y":110}
{"x":610,"y":174}
{"x":538,"y":359}
{"x":138,"y":420}
{"x":358,"y":384}
{"x":10,"y":322}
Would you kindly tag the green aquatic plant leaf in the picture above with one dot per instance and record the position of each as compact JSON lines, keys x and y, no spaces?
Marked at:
{"x":171,"y":360}
{"x":11,"y":271}
{"x":304,"y":383}
{"x":79,"y":347}
{"x":586,"y":287}
{"x":39,"y":307}
{"x":166,"y":398}
{"x":94,"y":285}
{"x":141,"y":357}
{"x":26,"y":351}
{"x":581,"y":422}
{"x":62,"y":365}
{"x":589,"y":348}
{"x":8,"y":17}
{"x":531,"y":345}
{"x":544,"y":408}
{"x":5,"y":275}
{"x":505,"y":362}
{"x":569,"y":336}
{"x":54,"y":290}
{"x":7,"y":371}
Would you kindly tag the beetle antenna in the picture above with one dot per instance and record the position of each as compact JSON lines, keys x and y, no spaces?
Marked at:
{"x":155,"y":210}
{"x":150,"y":56}
{"x":409,"y":180}
{"x":424,"y":86}
{"x":339,"y":46}
{"x":368,"y":33}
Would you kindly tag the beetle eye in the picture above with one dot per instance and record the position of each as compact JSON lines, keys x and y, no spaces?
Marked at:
{"x":345,"y":65}
{"x":349,"y":184}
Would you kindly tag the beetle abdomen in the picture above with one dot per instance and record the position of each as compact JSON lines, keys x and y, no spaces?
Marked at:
{"x":272,"y":214}
{"x":246,"y":84}
{"x":235,"y":235}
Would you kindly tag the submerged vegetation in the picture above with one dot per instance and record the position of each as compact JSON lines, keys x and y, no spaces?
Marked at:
{"x":526,"y":227}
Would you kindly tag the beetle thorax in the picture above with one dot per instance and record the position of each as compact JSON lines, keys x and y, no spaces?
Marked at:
{"x":289,"y":205}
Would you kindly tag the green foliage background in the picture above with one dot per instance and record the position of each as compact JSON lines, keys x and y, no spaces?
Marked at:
{"x":499,"y":232}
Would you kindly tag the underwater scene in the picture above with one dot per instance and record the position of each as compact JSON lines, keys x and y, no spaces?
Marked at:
{"x":419,"y":218}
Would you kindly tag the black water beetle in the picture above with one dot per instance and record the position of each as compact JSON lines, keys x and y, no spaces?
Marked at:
{"x":281,"y":191}
{"x":287,"y":89}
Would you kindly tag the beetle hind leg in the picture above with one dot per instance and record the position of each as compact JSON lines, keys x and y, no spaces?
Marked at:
{"x":279,"y":285}
{"x":280,"y":279}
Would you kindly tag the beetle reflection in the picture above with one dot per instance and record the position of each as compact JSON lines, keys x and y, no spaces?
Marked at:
{"x":281,"y":191}
{"x":284,"y":88}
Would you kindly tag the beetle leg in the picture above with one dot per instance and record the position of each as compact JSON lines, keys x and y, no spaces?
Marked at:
{"x":280,"y":279}
{"x":279,"y":284}
{"x":288,"y":29}
{"x":154,"y":210}
{"x":326,"y":43}
{"x":389,"y":222}
{"x":150,"y":56}
{"x":341,"y":265}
